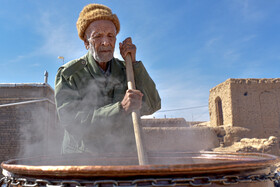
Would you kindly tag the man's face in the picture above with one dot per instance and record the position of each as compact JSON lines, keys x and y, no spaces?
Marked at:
{"x":101,"y":38}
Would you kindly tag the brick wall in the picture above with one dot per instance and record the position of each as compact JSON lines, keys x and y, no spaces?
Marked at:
{"x":8,"y":133}
{"x":29,"y":129}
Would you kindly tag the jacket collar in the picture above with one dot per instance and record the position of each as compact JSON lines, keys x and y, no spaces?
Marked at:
{"x":117,"y":68}
{"x":93,"y":66}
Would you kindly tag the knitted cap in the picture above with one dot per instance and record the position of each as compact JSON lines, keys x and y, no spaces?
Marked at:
{"x":93,"y":12}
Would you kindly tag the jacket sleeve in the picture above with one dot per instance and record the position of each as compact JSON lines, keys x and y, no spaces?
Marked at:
{"x":74,"y":112}
{"x":144,"y":83}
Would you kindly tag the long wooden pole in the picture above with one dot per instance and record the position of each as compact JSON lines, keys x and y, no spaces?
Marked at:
{"x":142,"y":158}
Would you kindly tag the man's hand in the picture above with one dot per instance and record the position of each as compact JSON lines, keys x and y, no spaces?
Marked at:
{"x":132,"y":100}
{"x":128,"y":47}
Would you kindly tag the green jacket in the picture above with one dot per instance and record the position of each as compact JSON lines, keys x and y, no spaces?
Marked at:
{"x":88,"y":105}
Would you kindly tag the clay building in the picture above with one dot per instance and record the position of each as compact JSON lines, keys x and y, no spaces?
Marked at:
{"x":248,"y":103}
{"x":28,"y":123}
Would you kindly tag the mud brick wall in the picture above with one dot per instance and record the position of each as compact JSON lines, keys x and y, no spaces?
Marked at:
{"x":179,"y":139}
{"x":249,"y":103}
{"x":220,"y":96}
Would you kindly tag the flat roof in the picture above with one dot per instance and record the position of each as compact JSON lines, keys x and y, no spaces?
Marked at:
{"x":13,"y":85}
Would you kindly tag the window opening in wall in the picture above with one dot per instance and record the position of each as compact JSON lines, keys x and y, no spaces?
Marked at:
{"x":219,"y":111}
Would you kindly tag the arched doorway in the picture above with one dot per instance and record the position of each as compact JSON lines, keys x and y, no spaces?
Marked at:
{"x":219,"y":111}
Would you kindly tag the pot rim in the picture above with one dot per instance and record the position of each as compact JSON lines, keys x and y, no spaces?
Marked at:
{"x":236,"y":162}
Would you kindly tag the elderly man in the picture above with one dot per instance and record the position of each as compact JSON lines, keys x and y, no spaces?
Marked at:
{"x":93,"y":102}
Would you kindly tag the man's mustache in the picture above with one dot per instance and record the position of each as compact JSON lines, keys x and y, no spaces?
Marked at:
{"x":109,"y":48}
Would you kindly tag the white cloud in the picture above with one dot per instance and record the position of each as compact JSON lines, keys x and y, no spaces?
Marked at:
{"x":248,"y":38}
{"x":58,"y":39}
{"x":232,"y":55}
{"x":249,"y":10}
{"x":18,"y":58}
{"x":212,"y":41}
{"x":35,"y":65}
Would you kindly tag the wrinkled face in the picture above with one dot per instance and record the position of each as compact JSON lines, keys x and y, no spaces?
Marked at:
{"x":100,"y":39}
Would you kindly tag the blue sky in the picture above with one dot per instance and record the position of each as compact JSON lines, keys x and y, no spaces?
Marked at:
{"x":187,"y":46}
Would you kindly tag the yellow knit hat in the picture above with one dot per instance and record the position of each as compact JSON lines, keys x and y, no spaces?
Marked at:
{"x":93,"y":12}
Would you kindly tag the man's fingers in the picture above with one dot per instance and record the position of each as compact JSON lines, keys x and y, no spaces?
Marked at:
{"x":127,"y":48}
{"x":130,"y":47}
{"x":135,"y":97}
{"x":131,"y":91}
{"x":128,"y":40}
{"x":132,"y":100}
{"x":131,"y":105}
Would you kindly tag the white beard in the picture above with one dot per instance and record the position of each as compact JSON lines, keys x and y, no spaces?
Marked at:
{"x":98,"y":57}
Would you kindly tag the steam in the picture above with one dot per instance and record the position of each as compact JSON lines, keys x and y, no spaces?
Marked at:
{"x":93,"y":124}
{"x":94,"y":128}
{"x":39,"y":134}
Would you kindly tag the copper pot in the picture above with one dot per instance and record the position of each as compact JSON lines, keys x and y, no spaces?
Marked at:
{"x":168,"y":169}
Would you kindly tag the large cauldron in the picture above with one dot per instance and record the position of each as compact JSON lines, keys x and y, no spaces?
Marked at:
{"x":166,"y":169}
